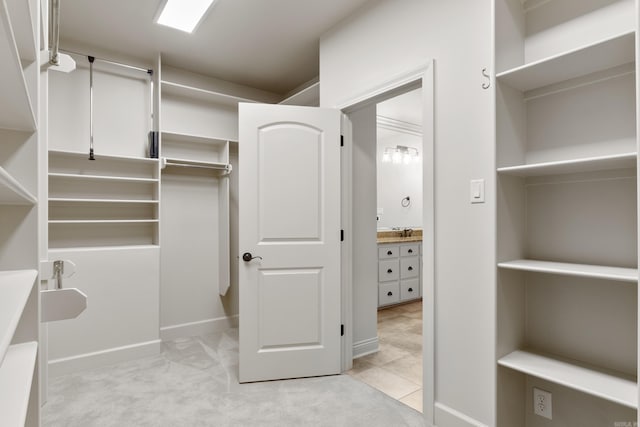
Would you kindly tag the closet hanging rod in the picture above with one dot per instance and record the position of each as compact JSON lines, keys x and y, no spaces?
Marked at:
{"x":223,"y":167}
{"x":108,"y":61}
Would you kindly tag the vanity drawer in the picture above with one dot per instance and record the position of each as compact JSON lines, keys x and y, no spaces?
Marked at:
{"x":409,"y":267}
{"x":388,"y":270}
{"x":410,"y":250}
{"x":385,"y":252}
{"x":388,"y":293}
{"x":409,"y":289}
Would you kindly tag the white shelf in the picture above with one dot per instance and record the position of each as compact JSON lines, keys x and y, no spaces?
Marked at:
{"x":589,"y":59}
{"x":22,"y":25}
{"x":184,"y":137}
{"x":69,"y":200}
{"x":15,"y":287}
{"x":308,"y":96}
{"x":16,"y":111}
{"x":177,"y":89}
{"x":103,"y":221}
{"x":12,"y":192}
{"x":172,"y":161}
{"x":99,"y":156}
{"x":102,"y":178}
{"x":587,"y":164}
{"x":605,"y":386}
{"x":16,"y":376}
{"x":580,"y":270}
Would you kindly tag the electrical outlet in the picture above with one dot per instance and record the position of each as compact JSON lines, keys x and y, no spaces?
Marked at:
{"x":542,"y":403}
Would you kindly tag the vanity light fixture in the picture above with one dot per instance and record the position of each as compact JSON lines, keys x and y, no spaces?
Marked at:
{"x":399,"y":154}
{"x":183,"y":15}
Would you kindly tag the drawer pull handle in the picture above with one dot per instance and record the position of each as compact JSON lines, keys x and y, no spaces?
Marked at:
{"x":389,"y":271}
{"x":389,"y":294}
{"x":410,"y":268}
{"x":410,"y":289}
{"x":410,"y":251}
{"x":389,"y":253}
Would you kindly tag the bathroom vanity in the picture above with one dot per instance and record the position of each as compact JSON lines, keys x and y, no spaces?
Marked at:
{"x":399,"y":267}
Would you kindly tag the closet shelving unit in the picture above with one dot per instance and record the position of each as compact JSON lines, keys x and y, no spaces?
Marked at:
{"x":567,"y":208}
{"x":112,"y":201}
{"x":19,"y":292}
{"x":181,"y":90}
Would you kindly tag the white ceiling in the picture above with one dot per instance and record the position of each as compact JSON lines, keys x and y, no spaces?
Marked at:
{"x":267,"y":44}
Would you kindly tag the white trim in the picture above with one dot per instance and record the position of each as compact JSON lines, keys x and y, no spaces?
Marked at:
{"x":365,"y":347}
{"x":422,"y":76}
{"x":98,"y":359}
{"x":449,"y":417}
{"x":396,"y":125}
{"x":203,"y":327}
{"x":346,"y":270}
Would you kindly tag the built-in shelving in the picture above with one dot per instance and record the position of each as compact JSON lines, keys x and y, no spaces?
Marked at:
{"x":607,"y":386}
{"x":70,"y":200}
{"x":103,"y":221}
{"x":85,"y":156}
{"x":12,"y":192}
{"x":185,"y":137}
{"x":567,"y":269}
{"x":585,"y":60}
{"x":587,"y":164}
{"x":308,"y":96}
{"x":22,"y":26}
{"x":170,"y":161}
{"x":19,"y":113}
{"x":16,"y":377}
{"x":15,"y":288}
{"x":178,"y":89}
{"x":71,"y":176}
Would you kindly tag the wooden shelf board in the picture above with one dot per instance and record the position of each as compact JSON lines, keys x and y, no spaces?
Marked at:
{"x":184,"y":137}
{"x":16,"y":376}
{"x":587,"y":164}
{"x":567,"y":269}
{"x":69,"y":200}
{"x":102,"y":177}
{"x":15,"y":287}
{"x":12,"y":192}
{"x":16,"y":111}
{"x":103,"y":221}
{"x":178,"y":89}
{"x":605,"y":386}
{"x":99,"y":156}
{"x":579,"y":62}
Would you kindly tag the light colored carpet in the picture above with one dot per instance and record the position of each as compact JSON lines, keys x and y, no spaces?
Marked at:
{"x":193,"y":382}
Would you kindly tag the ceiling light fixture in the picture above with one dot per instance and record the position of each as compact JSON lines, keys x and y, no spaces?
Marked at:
{"x":183,"y":15}
{"x":400,"y":154}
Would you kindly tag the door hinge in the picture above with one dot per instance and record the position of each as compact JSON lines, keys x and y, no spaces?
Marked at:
{"x":342,"y":235}
{"x":341,"y":140}
{"x":342,"y":330}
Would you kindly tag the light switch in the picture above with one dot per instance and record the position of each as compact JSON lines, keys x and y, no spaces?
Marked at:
{"x":477,"y":191}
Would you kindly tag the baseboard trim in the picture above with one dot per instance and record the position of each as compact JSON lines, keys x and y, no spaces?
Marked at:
{"x":203,"y":327}
{"x":365,"y":347}
{"x":97,"y":359}
{"x":449,"y":417}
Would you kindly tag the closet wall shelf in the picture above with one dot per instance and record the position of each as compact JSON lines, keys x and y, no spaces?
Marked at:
{"x":103,"y":221}
{"x":16,"y":376}
{"x":83,"y":155}
{"x":606,"y":386}
{"x":307,"y":96}
{"x":586,"y":60}
{"x":568,"y":269}
{"x":587,"y":164}
{"x":102,"y":178}
{"x":12,"y":192}
{"x":178,"y":89}
{"x":18,"y":114}
{"x":15,"y":287}
{"x":185,"y":137}
{"x":167,"y":161}
{"x":69,"y":200}
{"x":23,"y":28}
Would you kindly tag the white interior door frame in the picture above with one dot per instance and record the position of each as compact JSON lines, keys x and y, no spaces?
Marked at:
{"x":422,"y":76}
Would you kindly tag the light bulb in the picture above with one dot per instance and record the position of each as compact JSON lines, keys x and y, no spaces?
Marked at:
{"x":406,"y":158}
{"x":397,"y":157}
{"x":386,"y":158}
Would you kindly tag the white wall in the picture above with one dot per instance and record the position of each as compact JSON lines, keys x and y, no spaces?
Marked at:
{"x":385,"y":39}
{"x":397,"y":181}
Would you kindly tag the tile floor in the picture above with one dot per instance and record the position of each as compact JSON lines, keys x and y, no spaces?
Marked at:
{"x":396,"y":369}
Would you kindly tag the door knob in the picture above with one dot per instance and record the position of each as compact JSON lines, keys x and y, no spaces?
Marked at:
{"x":389,"y":253}
{"x":410,"y":268}
{"x":389,"y":294}
{"x":248,"y":257}
{"x":389,"y":271}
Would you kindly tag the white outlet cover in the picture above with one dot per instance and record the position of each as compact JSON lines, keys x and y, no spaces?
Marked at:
{"x":542,"y":404}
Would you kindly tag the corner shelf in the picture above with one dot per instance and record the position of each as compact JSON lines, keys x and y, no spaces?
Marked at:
{"x":19,"y":113}
{"x":606,"y":386}
{"x":15,"y":288}
{"x":568,"y":269}
{"x":586,"y":164}
{"x":12,"y":192}
{"x":585,"y":60}
{"x":16,"y":376}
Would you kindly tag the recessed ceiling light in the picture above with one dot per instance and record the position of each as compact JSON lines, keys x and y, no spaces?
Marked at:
{"x":184,"y":15}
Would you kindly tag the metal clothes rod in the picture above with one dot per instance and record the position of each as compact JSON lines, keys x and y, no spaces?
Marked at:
{"x":226,"y":168}
{"x":108,"y":61}
{"x":54,"y":31}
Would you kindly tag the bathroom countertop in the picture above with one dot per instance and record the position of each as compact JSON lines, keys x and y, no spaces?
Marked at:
{"x":394,"y":237}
